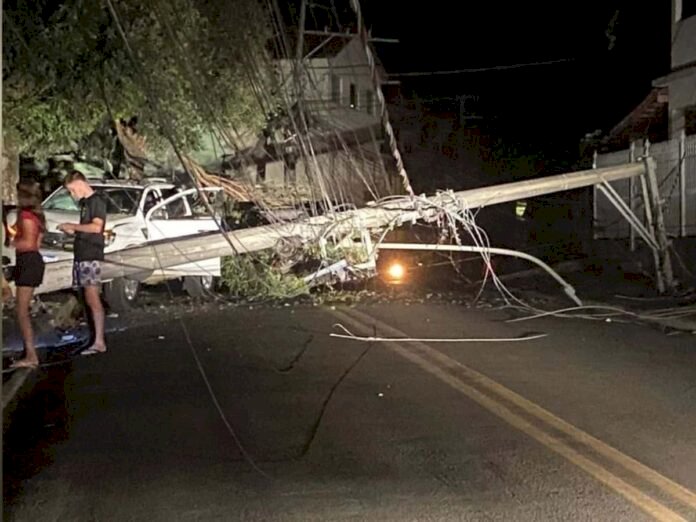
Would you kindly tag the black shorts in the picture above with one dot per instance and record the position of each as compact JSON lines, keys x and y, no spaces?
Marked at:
{"x":29,"y":269}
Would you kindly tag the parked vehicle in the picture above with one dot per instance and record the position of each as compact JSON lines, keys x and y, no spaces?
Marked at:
{"x":137,"y":214}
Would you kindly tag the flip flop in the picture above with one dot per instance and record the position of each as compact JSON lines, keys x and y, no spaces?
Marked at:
{"x":19,"y":364}
{"x":92,"y":351}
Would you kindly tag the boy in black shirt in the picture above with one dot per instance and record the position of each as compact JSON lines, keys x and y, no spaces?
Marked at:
{"x":89,"y":251}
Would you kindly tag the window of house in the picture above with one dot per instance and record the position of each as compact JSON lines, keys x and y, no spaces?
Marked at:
{"x":690,"y":120}
{"x":686,"y":9}
{"x":369,"y":102}
{"x":353,"y":96}
{"x":335,"y":88}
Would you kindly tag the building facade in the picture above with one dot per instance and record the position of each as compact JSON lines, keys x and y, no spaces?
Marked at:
{"x":681,"y":81}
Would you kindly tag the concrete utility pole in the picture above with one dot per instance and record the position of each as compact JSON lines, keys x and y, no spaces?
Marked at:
{"x":140,"y":262}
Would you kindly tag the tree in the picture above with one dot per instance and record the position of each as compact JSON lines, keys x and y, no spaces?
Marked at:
{"x":68,"y":74}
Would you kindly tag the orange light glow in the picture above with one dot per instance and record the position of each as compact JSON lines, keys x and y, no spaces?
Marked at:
{"x":396,"y":271}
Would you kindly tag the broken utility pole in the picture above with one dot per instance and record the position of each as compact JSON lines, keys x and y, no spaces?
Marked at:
{"x":664,"y":267}
{"x":140,"y":262}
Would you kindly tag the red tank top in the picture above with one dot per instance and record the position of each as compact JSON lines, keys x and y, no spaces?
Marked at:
{"x":28,"y":215}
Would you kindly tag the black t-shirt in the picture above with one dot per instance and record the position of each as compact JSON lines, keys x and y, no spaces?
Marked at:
{"x":90,"y":246}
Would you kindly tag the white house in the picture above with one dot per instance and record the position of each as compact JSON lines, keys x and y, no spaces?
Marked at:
{"x":336,"y":80}
{"x":670,"y":107}
{"x":681,"y":82}
{"x":337,"y":93}
{"x":663,"y":125}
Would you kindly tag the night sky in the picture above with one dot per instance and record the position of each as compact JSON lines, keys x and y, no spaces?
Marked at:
{"x":605,"y":78}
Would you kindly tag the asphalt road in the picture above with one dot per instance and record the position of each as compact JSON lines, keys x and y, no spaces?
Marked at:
{"x":595,"y":421}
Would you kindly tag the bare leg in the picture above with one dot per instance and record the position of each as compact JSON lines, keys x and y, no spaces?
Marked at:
{"x":97,"y":310}
{"x":6,"y":291}
{"x":31,"y":359}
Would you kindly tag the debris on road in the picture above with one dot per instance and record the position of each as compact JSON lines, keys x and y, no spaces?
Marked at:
{"x":350,"y":335}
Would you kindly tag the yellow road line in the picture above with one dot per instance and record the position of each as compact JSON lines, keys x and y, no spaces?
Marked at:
{"x":668,"y":486}
{"x":640,"y":499}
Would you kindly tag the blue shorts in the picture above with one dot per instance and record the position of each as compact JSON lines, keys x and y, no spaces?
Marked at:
{"x":86,"y":273}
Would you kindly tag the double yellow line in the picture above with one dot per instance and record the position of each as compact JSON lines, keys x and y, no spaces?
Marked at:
{"x":498,"y":400}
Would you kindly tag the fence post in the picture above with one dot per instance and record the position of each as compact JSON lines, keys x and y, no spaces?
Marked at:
{"x":682,"y":182}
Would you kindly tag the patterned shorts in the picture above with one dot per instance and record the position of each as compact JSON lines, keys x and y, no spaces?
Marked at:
{"x":86,"y":273}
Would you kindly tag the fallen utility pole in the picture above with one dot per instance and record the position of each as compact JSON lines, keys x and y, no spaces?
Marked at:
{"x":140,"y":262}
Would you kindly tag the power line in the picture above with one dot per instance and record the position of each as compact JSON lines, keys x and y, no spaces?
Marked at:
{"x":482,"y":69}
{"x":381,"y":102}
{"x":166,"y":130}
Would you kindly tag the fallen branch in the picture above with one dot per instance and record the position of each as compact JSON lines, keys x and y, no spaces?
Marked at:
{"x":237,"y":191}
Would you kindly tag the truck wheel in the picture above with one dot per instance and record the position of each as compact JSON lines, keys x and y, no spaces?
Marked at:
{"x":200,"y":286}
{"x":121,"y":293}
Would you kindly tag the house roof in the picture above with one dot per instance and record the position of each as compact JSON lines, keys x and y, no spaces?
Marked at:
{"x":683,"y":71}
{"x":646,"y":120}
{"x":334,"y":126}
{"x":331,"y":126}
{"x":319,"y":45}
{"x":334,"y":117}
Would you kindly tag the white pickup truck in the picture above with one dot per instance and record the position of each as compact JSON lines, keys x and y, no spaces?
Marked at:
{"x":136,"y":215}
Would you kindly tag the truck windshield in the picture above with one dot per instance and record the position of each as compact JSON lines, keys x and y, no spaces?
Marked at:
{"x":119,"y":200}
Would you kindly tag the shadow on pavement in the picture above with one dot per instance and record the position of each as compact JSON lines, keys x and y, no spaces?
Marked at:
{"x":38,"y":422}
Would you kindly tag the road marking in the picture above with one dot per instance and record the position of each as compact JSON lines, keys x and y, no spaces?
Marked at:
{"x":668,"y":486}
{"x":640,"y":499}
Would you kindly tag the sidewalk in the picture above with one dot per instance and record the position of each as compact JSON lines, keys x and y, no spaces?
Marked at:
{"x":608,"y":284}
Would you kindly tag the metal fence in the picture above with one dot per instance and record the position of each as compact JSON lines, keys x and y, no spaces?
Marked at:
{"x":676,"y":174}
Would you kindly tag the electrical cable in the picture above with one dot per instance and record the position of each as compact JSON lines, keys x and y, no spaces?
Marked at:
{"x":350,"y":335}
{"x":201,"y":370}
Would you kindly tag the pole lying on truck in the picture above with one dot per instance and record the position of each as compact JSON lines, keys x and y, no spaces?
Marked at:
{"x":139,"y":262}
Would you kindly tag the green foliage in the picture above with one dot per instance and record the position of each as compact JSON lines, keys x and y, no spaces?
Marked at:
{"x":67,"y":71}
{"x":253,"y":277}
{"x":258,"y":276}
{"x":336,"y":252}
